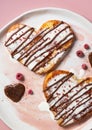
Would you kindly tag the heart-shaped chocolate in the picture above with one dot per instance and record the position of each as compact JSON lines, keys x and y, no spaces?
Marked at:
{"x":40,"y":50}
{"x":90,"y":58}
{"x":15,"y":91}
{"x":69,"y":99}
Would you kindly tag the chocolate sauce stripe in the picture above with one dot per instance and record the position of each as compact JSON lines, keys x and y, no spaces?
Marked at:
{"x":69,"y":101}
{"x":89,"y":110}
{"x":27,"y":62}
{"x":64,"y":123}
{"x":26,"y":53}
{"x":64,"y":80}
{"x":86,"y":108}
{"x":49,"y":31}
{"x":32,"y":41}
{"x":54,"y":84}
{"x":46,"y":59}
{"x":36,"y":51}
{"x":52,"y":28}
{"x":78,"y":113}
{"x":66,"y":94}
{"x":59,"y":81}
{"x":40,"y":38}
{"x":74,"y":108}
{"x":14,"y":34}
{"x":78,"y":119}
{"x":17,"y":38}
{"x":48,"y":43}
{"x":15,"y":51}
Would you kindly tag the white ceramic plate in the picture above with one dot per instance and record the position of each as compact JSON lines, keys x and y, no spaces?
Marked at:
{"x":35,"y":18}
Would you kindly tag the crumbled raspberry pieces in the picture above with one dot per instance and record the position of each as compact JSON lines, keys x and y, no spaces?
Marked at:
{"x":80,"y":53}
{"x":84,"y":66}
{"x":86,"y":46}
{"x":20,"y":76}
{"x":30,"y":91}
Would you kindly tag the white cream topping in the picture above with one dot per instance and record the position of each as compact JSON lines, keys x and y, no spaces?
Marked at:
{"x":55,"y":79}
{"x":43,"y":106}
{"x":78,"y":97}
{"x":32,"y":64}
{"x":81,"y":73}
{"x":54,"y":60}
{"x":66,"y":86}
{"x":18,"y":42}
{"x":55,"y":33}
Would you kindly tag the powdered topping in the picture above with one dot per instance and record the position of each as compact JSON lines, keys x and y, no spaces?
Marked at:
{"x":69,"y":99}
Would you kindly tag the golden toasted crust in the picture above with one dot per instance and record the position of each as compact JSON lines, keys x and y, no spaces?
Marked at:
{"x":14,"y":27}
{"x":50,"y":76}
{"x":49,"y":24}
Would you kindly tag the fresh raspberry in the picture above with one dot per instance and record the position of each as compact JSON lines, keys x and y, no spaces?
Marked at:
{"x":30,"y":92}
{"x":80,"y":53}
{"x":84,"y":66}
{"x":20,"y":77}
{"x":86,"y":46}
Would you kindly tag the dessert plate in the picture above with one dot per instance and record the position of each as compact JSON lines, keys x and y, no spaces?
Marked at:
{"x":32,"y":111}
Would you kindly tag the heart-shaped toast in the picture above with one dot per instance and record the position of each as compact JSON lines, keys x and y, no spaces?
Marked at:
{"x":15,"y":91}
{"x":40,"y":50}
{"x":69,"y":99}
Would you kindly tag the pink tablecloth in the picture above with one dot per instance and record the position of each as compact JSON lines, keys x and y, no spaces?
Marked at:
{"x":9,"y":9}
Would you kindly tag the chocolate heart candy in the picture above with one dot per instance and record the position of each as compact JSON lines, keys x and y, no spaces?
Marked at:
{"x":90,"y":58}
{"x":69,"y":99}
{"x":15,"y":91}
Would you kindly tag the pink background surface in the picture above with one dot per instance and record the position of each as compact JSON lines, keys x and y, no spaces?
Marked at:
{"x":9,"y":9}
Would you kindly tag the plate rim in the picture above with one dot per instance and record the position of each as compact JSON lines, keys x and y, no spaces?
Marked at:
{"x":36,"y":10}
{"x":43,"y":9}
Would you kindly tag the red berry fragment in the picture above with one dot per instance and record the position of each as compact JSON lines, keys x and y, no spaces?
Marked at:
{"x":84,"y":66}
{"x":86,"y":46}
{"x":20,"y":77}
{"x":80,"y":53}
{"x":30,"y":92}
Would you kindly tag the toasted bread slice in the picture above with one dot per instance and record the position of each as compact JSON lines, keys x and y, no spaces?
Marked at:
{"x":41,"y":50}
{"x":60,"y":39}
{"x":69,"y":99}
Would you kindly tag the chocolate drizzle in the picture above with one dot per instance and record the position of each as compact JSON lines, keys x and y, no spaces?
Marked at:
{"x":7,"y":42}
{"x":73,"y":103}
{"x":62,"y":81}
{"x":37,"y":50}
